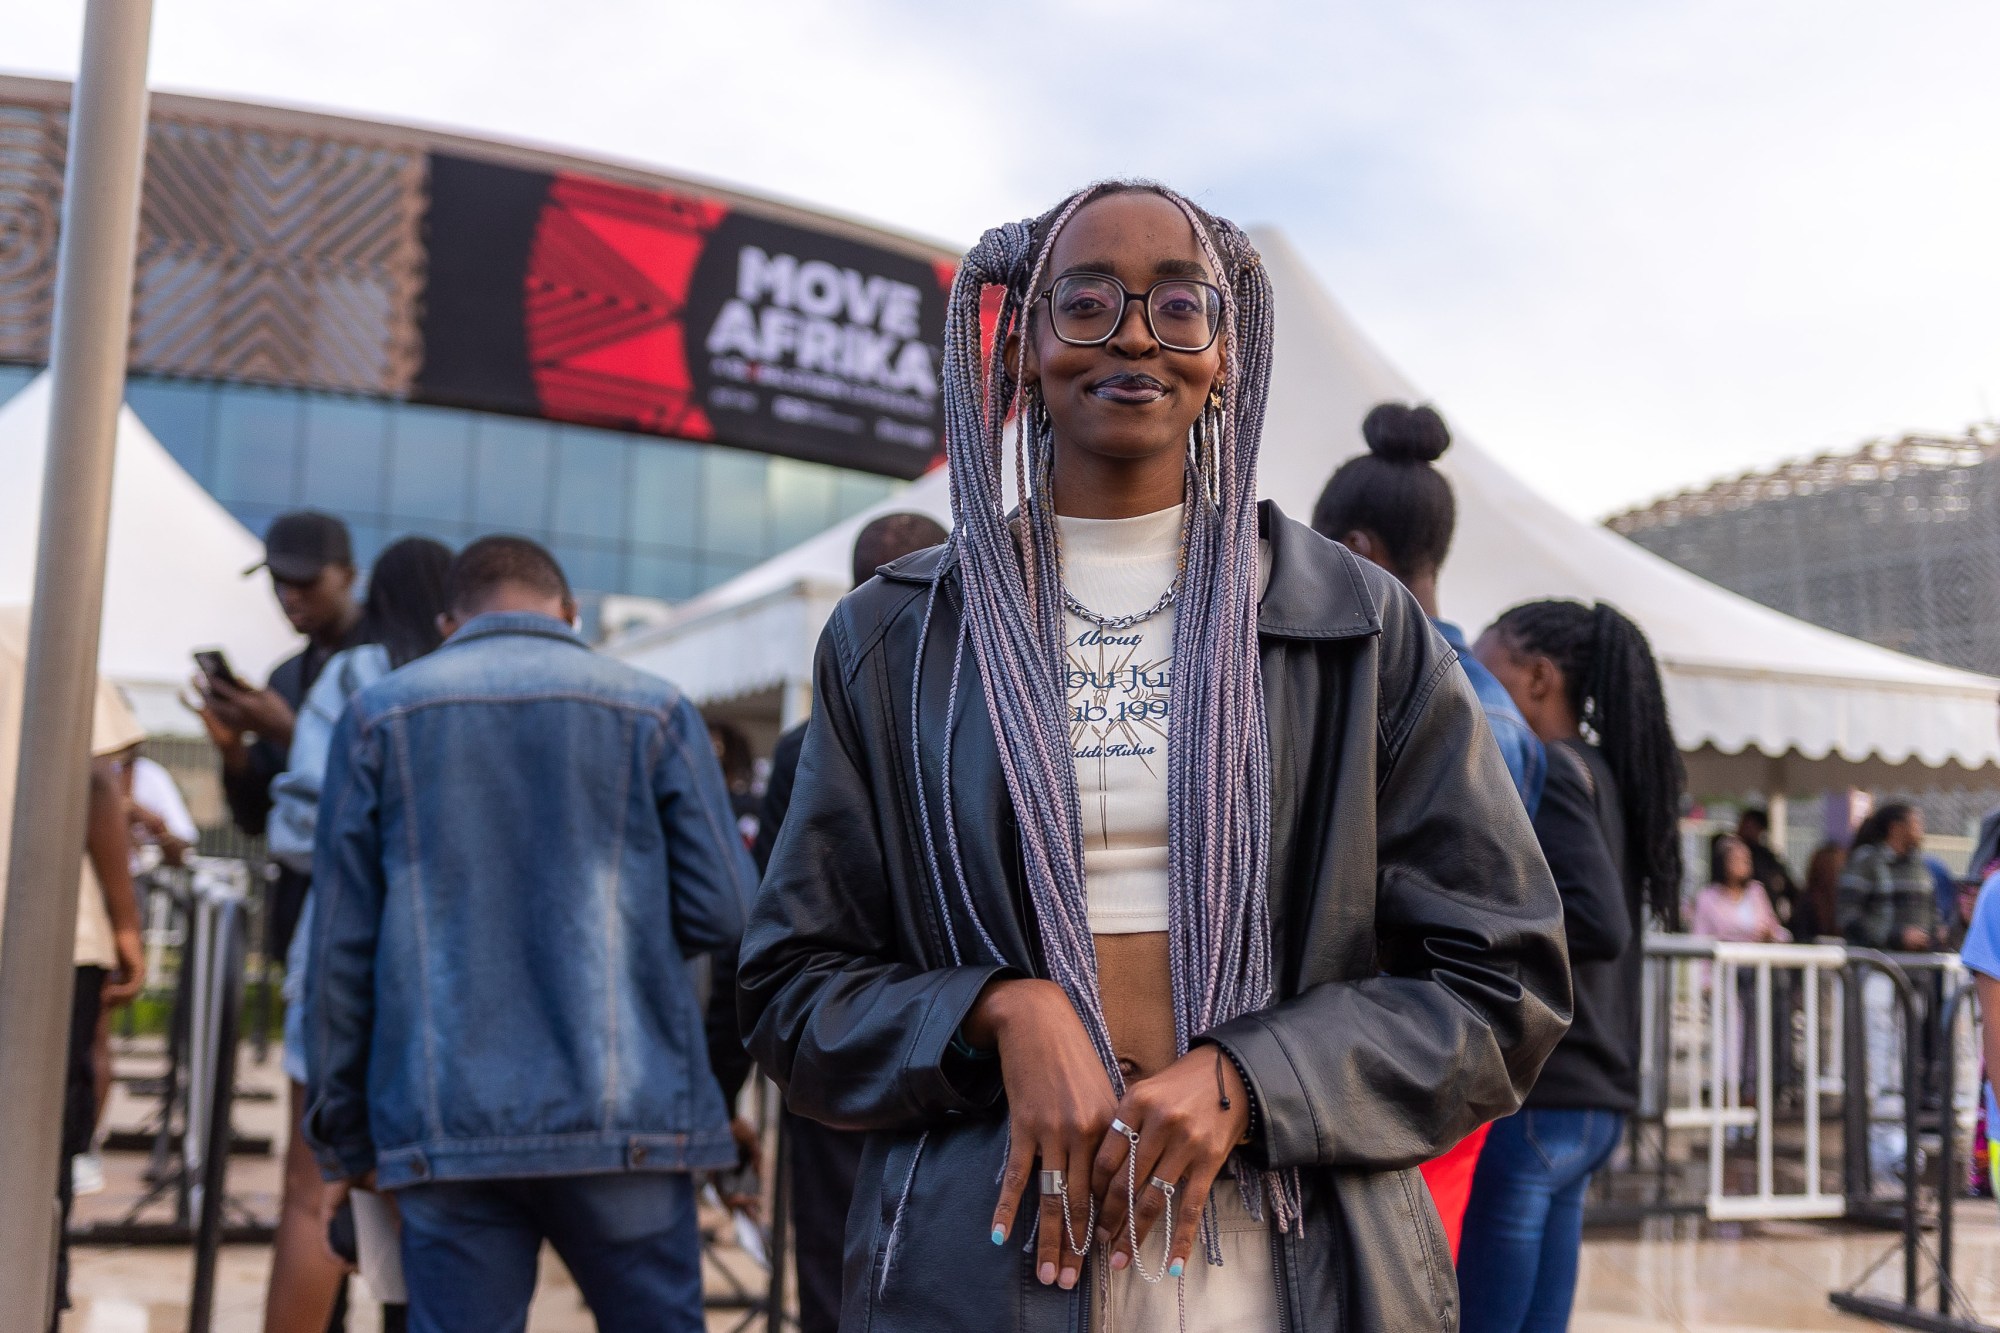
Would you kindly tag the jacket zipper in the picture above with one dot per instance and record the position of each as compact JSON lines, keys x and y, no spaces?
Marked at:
{"x":1278,"y":1276}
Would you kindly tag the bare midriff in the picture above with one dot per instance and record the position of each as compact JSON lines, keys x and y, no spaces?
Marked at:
{"x":1135,"y":985}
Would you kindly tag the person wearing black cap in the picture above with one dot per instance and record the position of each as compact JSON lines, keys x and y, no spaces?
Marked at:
{"x":311,"y":562}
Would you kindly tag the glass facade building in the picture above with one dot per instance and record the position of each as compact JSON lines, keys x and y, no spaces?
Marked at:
{"x":624,"y":513}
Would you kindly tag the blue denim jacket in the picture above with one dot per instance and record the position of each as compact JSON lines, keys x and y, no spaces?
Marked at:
{"x":1526,"y":760}
{"x":520,"y":844}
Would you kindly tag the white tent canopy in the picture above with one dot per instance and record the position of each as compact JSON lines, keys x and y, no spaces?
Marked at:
{"x":173,"y":573}
{"x":1760,"y":701}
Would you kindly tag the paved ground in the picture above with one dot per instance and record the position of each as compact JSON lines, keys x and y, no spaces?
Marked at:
{"x":144,"y":1288}
{"x":1701,"y":1278}
{"x":1767,"y":1278}
{"x":1678,"y":1277}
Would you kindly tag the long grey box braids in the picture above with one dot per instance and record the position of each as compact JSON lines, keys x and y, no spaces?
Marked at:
{"x":1218,"y":766}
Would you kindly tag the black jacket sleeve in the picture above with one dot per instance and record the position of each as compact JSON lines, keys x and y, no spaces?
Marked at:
{"x":727,"y":1056}
{"x":778,"y":794}
{"x":248,"y":790}
{"x":858,"y":1036}
{"x":1596,"y":921}
{"x":727,"y":1059}
{"x":1471,"y":987}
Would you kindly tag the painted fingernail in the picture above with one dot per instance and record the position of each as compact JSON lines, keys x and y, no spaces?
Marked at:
{"x":999,"y":1235}
{"x":1174,"y":1269}
{"x":1118,"y":1260}
{"x":1068,"y":1278}
{"x":1047,"y":1274}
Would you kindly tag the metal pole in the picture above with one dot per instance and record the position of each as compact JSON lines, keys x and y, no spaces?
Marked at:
{"x":100,"y":219}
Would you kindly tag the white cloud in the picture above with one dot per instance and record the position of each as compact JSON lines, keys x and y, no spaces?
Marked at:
{"x":1630,"y":248}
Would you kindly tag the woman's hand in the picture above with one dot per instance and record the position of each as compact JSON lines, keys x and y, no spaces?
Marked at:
{"x":1185,"y":1137}
{"x":125,"y":982}
{"x":1059,"y":1106}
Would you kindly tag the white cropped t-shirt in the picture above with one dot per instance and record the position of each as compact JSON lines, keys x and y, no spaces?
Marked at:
{"x":1119,"y":682}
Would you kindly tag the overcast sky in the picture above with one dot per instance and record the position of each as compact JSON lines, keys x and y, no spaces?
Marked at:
{"x":1630,"y":248}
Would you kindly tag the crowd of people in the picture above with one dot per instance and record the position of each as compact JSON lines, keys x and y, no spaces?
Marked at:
{"x":1165,"y":919}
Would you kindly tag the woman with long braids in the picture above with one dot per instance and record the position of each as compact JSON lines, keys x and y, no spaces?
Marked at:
{"x":1585,"y":680}
{"x":1151,"y":891}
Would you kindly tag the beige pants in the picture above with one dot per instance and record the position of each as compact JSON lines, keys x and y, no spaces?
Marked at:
{"x":1239,"y":1297}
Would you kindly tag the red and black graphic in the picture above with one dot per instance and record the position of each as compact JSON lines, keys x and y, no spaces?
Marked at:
{"x":579,"y":299}
{"x":606,"y":289}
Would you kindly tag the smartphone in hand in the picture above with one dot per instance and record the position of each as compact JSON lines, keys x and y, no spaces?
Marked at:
{"x":215,"y":668}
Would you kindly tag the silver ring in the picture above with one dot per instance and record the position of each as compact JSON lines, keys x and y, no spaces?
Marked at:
{"x":1120,"y":1127}
{"x":1163,"y":1186}
{"x":1053,"y":1182}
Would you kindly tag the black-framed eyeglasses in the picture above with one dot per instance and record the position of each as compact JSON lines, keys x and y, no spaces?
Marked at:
{"x":1085,"y":309}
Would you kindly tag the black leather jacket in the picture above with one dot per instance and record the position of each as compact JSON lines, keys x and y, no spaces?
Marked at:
{"x":1421,"y":979}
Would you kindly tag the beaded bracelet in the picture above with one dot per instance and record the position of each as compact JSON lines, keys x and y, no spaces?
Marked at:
{"x":1249,"y":1130}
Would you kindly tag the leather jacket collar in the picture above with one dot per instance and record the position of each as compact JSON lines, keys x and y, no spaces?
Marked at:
{"x":1315,"y":592}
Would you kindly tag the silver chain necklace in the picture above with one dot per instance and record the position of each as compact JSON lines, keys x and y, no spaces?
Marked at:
{"x":1082,"y":612}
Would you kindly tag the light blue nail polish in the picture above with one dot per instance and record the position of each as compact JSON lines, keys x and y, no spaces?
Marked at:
{"x":1174,"y":1269}
{"x":999,"y":1235}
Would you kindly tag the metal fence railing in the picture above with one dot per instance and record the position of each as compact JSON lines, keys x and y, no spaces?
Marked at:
{"x":1799,"y":1081}
{"x":196,"y":932}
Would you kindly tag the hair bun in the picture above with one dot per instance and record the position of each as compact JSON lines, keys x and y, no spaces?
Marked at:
{"x":1404,"y":434}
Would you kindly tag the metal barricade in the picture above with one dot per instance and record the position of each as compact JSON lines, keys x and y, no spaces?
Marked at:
{"x":219,"y":952}
{"x":1931,"y":1005}
{"x":1711,"y":1023}
{"x":1732,"y":1035}
{"x":197,"y":919}
{"x":1963,"y":999}
{"x":1761,"y":1065}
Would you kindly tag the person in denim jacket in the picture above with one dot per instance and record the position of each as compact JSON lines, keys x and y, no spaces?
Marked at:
{"x":521,"y":845}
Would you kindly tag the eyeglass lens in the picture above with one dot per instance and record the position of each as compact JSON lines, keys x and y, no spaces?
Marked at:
{"x":1184,"y":315}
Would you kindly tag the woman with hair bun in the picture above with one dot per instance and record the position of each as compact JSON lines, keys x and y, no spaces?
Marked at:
{"x":1391,"y":507}
{"x":1146,"y":894}
{"x":1585,"y":679}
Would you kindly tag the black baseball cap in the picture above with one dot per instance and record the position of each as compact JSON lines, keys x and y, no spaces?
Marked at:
{"x":302,"y":543}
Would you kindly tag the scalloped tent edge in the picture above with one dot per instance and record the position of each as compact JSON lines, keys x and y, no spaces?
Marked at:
{"x":1760,"y":701}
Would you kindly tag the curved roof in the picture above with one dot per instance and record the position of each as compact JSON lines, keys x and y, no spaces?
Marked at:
{"x":1759,"y":699}
{"x":1868,"y":464}
{"x":238,"y":114}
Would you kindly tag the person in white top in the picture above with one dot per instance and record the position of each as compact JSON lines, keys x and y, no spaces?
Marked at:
{"x":158,"y":812}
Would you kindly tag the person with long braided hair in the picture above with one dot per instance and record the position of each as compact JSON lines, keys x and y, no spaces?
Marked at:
{"x":1152,"y":891}
{"x":1585,"y":679}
